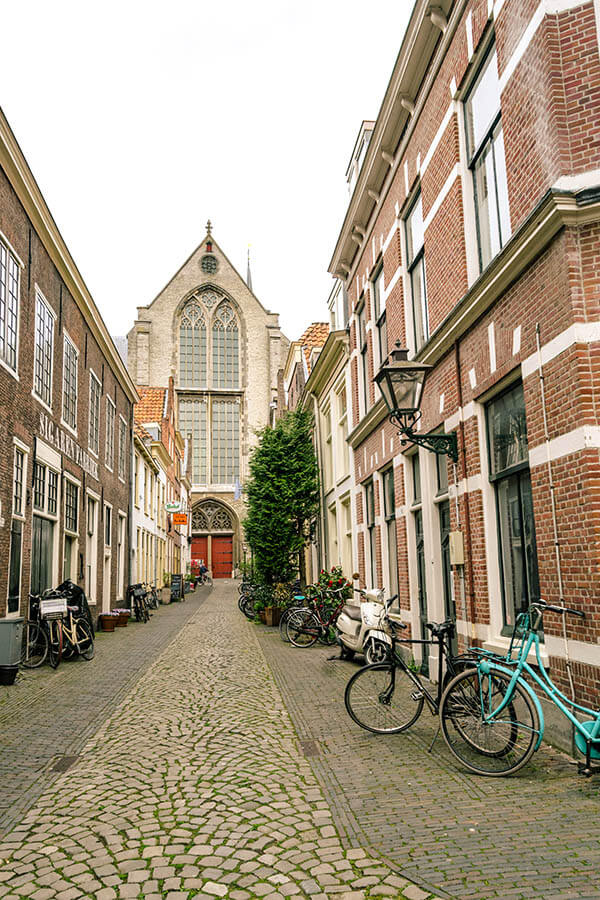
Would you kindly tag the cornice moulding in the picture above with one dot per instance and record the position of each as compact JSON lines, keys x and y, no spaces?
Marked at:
{"x":334,"y":350}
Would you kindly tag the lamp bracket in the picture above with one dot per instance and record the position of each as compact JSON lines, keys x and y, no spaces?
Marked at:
{"x":442,"y":444}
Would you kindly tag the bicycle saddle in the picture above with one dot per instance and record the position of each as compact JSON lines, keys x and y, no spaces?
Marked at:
{"x":353,"y":612}
{"x":394,"y":625}
{"x":446,"y":627}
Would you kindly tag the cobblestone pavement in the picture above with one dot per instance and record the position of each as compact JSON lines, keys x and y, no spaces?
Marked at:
{"x":48,"y":715}
{"x":195,"y":786}
{"x":535,"y":834}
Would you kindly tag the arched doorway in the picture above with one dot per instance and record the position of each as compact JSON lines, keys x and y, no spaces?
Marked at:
{"x":212,"y":538}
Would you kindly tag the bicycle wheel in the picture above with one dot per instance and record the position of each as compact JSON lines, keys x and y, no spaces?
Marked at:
{"x":35,"y":646}
{"x":247,"y":606}
{"x":55,"y":642}
{"x":284,"y":620}
{"x":383,"y":699}
{"x":495,"y":747}
{"x":84,"y":639}
{"x":303,"y":628}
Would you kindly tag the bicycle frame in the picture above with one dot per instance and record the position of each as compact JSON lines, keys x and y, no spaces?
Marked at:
{"x":589,"y":732}
{"x":432,"y":702}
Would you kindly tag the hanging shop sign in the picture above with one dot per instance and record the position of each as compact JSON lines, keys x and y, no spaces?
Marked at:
{"x":173,"y":507}
{"x":65,"y":444}
{"x":179,"y":519}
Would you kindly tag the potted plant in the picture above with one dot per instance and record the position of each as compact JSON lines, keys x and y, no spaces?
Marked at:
{"x":108,"y":621}
{"x":279,"y":596}
{"x":122,"y":617}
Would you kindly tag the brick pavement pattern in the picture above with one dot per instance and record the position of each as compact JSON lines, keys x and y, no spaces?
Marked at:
{"x":195,"y":786}
{"x":534,"y":834}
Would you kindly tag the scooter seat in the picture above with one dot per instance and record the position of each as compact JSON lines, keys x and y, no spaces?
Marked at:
{"x":353,"y":612}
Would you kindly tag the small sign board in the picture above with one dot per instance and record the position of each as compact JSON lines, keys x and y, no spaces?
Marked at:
{"x":176,"y":587}
{"x":179,"y":519}
{"x":173,"y":507}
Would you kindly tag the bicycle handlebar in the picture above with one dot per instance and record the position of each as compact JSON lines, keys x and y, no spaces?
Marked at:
{"x":547,"y":607}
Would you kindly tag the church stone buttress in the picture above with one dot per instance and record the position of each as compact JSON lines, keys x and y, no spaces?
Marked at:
{"x":224,"y":351}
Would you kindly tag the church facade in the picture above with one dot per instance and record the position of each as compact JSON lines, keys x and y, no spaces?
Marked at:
{"x":224,"y":350}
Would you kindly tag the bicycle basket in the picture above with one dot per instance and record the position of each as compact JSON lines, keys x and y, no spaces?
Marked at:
{"x":520,"y":630}
{"x":54,"y":608}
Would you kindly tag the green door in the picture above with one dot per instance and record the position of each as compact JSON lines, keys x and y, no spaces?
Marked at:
{"x":449,"y":607}
{"x":422,"y":587}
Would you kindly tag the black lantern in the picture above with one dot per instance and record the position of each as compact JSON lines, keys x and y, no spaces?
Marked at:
{"x":401,"y":384}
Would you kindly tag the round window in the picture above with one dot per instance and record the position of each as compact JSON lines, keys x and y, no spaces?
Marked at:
{"x":209,"y":264}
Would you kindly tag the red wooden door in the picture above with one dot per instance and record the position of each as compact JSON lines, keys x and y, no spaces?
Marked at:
{"x":199,"y":552}
{"x":222,"y":556}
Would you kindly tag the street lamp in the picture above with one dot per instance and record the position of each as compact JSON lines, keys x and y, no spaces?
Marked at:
{"x":401,"y":384}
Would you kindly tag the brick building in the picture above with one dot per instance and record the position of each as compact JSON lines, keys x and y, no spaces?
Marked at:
{"x":472,"y":237}
{"x":301,"y":357}
{"x":208,"y":332}
{"x":66,"y":411}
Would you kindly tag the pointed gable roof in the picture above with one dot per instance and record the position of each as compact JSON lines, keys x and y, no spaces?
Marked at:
{"x":151,"y":405}
{"x":314,"y":337}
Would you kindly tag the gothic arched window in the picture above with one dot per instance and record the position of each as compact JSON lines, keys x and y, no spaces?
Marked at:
{"x":192,"y":346}
{"x":225,"y":348}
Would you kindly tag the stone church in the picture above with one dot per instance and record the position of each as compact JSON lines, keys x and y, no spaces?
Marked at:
{"x":225,"y":352}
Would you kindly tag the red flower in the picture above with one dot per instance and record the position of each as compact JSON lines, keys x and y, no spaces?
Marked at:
{"x":330,"y":583}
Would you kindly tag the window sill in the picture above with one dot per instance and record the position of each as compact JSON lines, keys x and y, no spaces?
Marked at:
{"x":501,"y":644}
{"x":42,"y":402}
{"x":10,"y":370}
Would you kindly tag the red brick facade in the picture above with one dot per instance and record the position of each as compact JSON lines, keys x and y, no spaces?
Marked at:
{"x":485,"y":320}
{"x":35,"y":428}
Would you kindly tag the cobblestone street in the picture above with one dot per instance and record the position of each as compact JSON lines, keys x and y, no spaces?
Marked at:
{"x":226,"y":766}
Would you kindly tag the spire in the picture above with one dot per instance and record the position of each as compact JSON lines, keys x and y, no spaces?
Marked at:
{"x":208,"y":228}
{"x":248,"y":273}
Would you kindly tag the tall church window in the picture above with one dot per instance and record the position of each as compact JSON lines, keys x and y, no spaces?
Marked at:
{"x":192,"y":347}
{"x":193,"y":417}
{"x":225,"y":441}
{"x":225,"y":349}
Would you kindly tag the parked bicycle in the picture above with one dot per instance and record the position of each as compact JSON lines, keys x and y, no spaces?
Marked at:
{"x":152,"y":600}
{"x":491,"y":718}
{"x":54,"y":630}
{"x":388,"y":697}
{"x":137,"y":602}
{"x":307,"y":625}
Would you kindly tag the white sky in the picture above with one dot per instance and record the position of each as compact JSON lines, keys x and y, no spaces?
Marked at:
{"x":142,"y":119}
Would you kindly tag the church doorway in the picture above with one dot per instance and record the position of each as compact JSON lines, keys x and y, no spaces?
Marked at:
{"x":212,"y":538}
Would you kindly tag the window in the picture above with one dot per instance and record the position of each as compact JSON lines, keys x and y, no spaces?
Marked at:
{"x":44,"y":346}
{"x":380,"y":315}
{"x":14,"y":574}
{"x":370,"y":517}
{"x":509,"y":472}
{"x":415,"y":248}
{"x":39,"y":486}
{"x":94,"y":430}
{"x":417,"y":517}
{"x":9,"y":306}
{"x":193,"y":420}
{"x":343,"y":459}
{"x":107,"y":526}
{"x":327,"y":449}
{"x":18,"y":482}
{"x":192,"y":346}
{"x":225,"y":441}
{"x":122,"y":448}
{"x":71,"y":506}
{"x":363,"y":348}
{"x":69,"y":410}
{"x":485,"y":145}
{"x":347,"y":536}
{"x":52,"y":492}
{"x":225,"y":349}
{"x":110,"y":434}
{"x":441,"y":464}
{"x":389,"y":503}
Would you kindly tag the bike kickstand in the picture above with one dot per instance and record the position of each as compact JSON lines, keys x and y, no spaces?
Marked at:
{"x":434,"y":739}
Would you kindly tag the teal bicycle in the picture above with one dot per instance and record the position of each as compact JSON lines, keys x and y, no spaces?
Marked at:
{"x":490,"y":716}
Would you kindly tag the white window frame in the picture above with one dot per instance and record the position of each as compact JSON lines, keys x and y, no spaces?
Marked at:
{"x":93,"y":377}
{"x":110,"y":446}
{"x":11,"y":254}
{"x":122,"y":462}
{"x":67,"y":339}
{"x":40,"y":298}
{"x":414,"y":260}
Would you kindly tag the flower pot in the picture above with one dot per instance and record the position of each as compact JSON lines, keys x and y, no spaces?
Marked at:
{"x":122,"y":620}
{"x":8,"y":675}
{"x":165,"y":595}
{"x":107,"y":623}
{"x":262,"y":616}
{"x":272,"y":615}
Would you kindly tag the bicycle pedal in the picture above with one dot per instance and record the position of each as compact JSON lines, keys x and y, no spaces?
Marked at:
{"x":416,"y":696}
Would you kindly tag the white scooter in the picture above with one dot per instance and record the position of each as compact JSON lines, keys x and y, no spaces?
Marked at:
{"x":361,"y":628}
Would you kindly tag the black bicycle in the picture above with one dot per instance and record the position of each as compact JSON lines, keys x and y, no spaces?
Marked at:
{"x":388,"y":697}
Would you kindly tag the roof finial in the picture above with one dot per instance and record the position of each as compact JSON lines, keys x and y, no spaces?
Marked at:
{"x":208,"y":227}
{"x":248,"y":273}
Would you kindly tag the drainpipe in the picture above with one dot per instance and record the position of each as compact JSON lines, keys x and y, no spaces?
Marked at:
{"x":461,"y":428}
{"x":323,"y":553}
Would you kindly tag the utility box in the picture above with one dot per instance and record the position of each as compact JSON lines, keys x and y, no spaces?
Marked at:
{"x":457,"y":548}
{"x":11,"y":638}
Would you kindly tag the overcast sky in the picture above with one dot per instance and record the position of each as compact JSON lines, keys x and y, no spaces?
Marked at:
{"x":142,"y":119}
